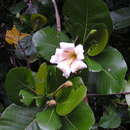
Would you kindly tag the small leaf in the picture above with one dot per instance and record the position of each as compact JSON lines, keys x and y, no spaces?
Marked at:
{"x":41,"y":79}
{"x":38,"y":21}
{"x":97,"y":40}
{"x":13,"y":36}
{"x":17,"y":79}
{"x":81,"y":118}
{"x":110,"y":119}
{"x":27,"y":97}
{"x":73,"y":98}
{"x":48,"y":120}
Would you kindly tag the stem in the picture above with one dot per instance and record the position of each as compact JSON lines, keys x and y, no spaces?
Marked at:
{"x":58,"y":21}
{"x":113,"y":94}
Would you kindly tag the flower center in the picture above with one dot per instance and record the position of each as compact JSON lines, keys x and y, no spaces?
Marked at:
{"x":71,"y":57}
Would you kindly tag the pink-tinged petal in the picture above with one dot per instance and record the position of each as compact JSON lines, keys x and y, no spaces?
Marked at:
{"x":77,"y":65}
{"x":53,"y":59}
{"x":65,"y":68}
{"x":64,"y":45}
{"x":79,"y":52}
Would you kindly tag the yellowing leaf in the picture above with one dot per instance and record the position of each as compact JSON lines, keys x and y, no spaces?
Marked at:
{"x":13,"y":36}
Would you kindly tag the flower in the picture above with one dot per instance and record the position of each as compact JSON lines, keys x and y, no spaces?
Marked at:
{"x":69,"y":58}
{"x":13,"y":36}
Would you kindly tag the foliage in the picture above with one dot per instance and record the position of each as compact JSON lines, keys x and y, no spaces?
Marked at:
{"x":37,"y":95}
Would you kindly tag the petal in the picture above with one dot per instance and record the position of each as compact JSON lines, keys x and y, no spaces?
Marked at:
{"x":65,"y":45}
{"x":79,"y":52}
{"x":65,"y":68}
{"x":54,"y":59}
{"x":57,"y":57}
{"x":77,"y":65}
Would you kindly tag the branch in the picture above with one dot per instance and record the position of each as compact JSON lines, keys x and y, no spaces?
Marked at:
{"x":113,"y":94}
{"x":58,"y":21}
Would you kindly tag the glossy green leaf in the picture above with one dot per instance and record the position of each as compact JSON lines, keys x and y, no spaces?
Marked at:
{"x":81,"y":16}
{"x":19,"y":118}
{"x":67,"y":103}
{"x":27,"y":97}
{"x":97,"y":40}
{"x":111,"y":78}
{"x":48,"y":120}
{"x":17,"y":79}
{"x":47,"y":40}
{"x":41,"y":79}
{"x":93,"y":66}
{"x":81,"y":118}
{"x":110,"y":119}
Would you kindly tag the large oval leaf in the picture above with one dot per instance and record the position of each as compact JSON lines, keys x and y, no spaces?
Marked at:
{"x":111,"y":78}
{"x":17,"y":79}
{"x":81,"y":118}
{"x":68,"y":100}
{"x":82,"y":15}
{"x":48,"y":120}
{"x":47,"y":40}
{"x":19,"y":118}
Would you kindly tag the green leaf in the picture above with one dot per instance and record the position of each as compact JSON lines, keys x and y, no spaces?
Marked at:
{"x":17,"y":7}
{"x":55,"y":78}
{"x":19,"y":118}
{"x":47,"y":40}
{"x":38,"y":21}
{"x":120,"y":18}
{"x":81,"y":118}
{"x":93,"y":66}
{"x":17,"y":79}
{"x":81,"y":16}
{"x":39,"y":101}
{"x":111,"y":78}
{"x":41,"y":79}
{"x":27,"y":97}
{"x":29,"y":52}
{"x":127,"y":89}
{"x":67,"y":103}
{"x":110,"y":119}
{"x":48,"y":120}
{"x":97,"y":40}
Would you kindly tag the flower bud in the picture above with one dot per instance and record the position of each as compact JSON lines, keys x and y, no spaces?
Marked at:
{"x":68,"y":84}
{"x":51,"y":103}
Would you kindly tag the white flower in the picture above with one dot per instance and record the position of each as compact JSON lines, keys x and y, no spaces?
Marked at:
{"x":69,"y":58}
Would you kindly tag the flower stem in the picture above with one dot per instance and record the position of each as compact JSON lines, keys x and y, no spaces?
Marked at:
{"x":58,"y":21}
